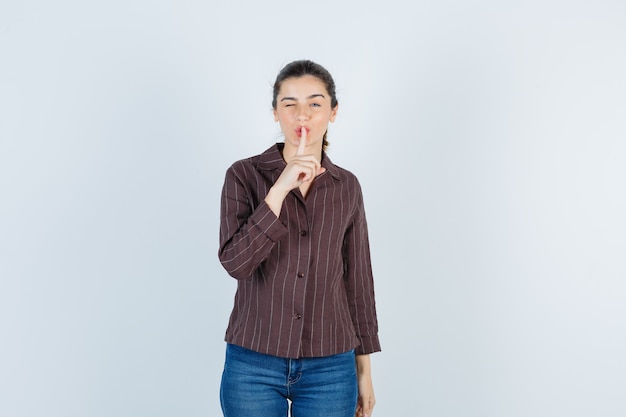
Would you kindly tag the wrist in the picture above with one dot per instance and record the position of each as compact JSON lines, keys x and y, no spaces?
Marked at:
{"x":278,"y":191}
{"x":274,"y":199}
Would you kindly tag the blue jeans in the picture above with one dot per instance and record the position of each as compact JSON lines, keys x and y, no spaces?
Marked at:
{"x":259,"y":385}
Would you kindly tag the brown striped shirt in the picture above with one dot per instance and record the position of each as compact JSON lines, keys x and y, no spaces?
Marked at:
{"x":305,"y":286}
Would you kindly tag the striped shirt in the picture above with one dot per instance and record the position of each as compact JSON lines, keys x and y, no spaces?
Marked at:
{"x":305,"y":286}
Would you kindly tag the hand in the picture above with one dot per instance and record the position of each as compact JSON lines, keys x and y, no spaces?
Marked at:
{"x":366,"y":400}
{"x":300,"y":168}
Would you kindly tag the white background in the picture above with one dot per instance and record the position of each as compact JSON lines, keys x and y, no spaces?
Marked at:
{"x":489,"y":138}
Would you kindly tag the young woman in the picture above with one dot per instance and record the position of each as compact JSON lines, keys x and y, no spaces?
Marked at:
{"x":293,"y":233}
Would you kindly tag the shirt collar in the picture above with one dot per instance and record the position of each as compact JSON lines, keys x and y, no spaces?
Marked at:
{"x":272,"y":159}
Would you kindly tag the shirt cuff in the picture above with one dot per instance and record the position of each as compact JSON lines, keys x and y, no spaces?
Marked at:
{"x":265,"y":219}
{"x":368,"y":345}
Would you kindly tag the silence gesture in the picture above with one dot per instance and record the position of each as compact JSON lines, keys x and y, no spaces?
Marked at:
{"x":301,"y":169}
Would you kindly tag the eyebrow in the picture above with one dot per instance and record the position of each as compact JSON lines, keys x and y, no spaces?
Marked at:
{"x":308,"y":98}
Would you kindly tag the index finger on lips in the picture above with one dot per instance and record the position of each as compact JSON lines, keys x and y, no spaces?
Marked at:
{"x":302,"y":144}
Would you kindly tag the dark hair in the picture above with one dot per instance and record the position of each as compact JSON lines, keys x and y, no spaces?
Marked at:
{"x":301,"y":68}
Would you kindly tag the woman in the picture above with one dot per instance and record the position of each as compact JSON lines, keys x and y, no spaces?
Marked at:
{"x":293,"y":233}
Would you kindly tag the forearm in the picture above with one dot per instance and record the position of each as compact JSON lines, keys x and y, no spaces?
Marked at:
{"x":243,"y":252}
{"x":367,"y":400}
{"x":363,"y":365}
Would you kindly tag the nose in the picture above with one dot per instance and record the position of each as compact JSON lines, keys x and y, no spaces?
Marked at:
{"x":303,"y":113}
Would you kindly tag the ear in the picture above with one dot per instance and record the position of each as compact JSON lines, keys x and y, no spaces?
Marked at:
{"x":333,"y":113}
{"x":275,"y":115}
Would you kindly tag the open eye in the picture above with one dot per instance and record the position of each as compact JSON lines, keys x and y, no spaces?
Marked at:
{"x":316,"y":105}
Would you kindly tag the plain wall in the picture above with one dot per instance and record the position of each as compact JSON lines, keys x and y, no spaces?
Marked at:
{"x":489,"y":138}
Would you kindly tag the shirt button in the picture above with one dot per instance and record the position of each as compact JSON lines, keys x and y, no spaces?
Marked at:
{"x":303,"y":233}
{"x":297,"y":316}
{"x":300,"y":274}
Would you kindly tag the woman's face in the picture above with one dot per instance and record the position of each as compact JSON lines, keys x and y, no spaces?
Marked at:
{"x":303,"y":102}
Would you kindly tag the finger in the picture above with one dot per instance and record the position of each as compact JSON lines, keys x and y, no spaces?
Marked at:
{"x":302,"y":144}
{"x":306,"y":171}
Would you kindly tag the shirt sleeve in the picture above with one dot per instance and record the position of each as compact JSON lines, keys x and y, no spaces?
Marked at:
{"x":247,"y":233}
{"x":359,"y":281}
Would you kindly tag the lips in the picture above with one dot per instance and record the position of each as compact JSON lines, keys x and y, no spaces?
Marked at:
{"x":299,"y":130}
